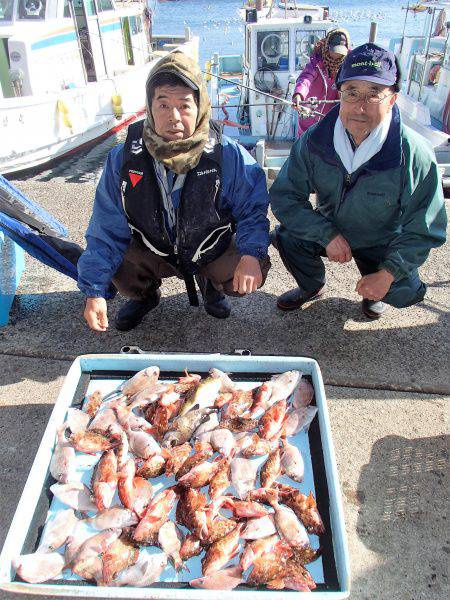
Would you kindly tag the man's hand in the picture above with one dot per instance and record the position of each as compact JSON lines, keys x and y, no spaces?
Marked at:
{"x":338,"y":250}
{"x":375,"y":286}
{"x":96,"y":314}
{"x":247,"y":276}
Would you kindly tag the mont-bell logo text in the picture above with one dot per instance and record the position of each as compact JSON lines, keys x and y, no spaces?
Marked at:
{"x":367,"y":63}
{"x":135,"y":176}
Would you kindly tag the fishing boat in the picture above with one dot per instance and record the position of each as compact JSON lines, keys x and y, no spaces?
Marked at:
{"x":425,"y":65}
{"x":279,"y":39}
{"x":72,"y":72}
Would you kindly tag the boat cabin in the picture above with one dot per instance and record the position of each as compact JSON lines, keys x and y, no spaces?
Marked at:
{"x":50,"y":45}
{"x":425,"y":65}
{"x":277,"y":47}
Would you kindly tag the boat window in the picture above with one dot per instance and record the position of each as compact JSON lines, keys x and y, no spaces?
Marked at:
{"x":248,"y":46}
{"x":31,"y":9}
{"x":66,"y":13}
{"x":273,"y":50}
{"x":90,"y":7}
{"x":6,"y":10}
{"x":104,"y":5}
{"x":304,"y":45}
{"x":135,"y":25}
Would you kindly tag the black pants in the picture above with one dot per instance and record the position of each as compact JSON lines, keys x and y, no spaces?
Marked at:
{"x":303,"y":259}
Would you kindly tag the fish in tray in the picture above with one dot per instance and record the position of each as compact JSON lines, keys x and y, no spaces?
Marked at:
{"x":186,"y":469}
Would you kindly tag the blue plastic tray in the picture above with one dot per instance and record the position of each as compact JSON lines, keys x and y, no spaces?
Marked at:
{"x":105,"y":372}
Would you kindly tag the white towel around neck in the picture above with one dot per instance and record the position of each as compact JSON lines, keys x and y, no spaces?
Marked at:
{"x":353,"y":159}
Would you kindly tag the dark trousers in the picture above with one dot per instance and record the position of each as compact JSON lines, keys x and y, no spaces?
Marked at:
{"x":303,"y":259}
{"x":141,"y":271}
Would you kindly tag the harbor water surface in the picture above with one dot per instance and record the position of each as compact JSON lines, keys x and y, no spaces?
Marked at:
{"x":220,"y":27}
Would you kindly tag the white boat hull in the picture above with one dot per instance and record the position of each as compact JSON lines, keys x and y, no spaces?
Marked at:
{"x":35,"y":130}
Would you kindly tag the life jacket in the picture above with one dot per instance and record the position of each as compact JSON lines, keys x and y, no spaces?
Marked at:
{"x":36,"y":231}
{"x":203,"y":228}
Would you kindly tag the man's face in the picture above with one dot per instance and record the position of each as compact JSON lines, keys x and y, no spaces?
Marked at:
{"x":360,"y":118}
{"x":174,"y":112}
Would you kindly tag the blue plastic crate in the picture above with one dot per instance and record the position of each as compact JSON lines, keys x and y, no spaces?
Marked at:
{"x":105,"y":372}
{"x":12,"y":265}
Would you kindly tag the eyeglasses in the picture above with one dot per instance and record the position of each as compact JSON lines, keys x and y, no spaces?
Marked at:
{"x":353,"y":96}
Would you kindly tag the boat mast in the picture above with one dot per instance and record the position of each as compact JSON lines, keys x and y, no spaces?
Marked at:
{"x":404,"y":27}
{"x":427,"y":49}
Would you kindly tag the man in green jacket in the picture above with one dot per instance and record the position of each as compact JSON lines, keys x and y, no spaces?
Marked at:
{"x":378,"y":192}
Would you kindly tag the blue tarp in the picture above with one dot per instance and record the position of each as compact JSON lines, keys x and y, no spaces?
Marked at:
{"x":37,"y":231}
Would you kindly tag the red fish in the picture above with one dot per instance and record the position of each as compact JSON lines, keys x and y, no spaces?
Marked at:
{"x":155,"y":515}
{"x":104,"y":480}
{"x":305,"y":507}
{"x":271,"y":422}
{"x":121,"y":554}
{"x":222,"y":551}
{"x":271,"y":469}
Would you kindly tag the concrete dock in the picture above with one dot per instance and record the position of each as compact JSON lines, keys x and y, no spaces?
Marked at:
{"x":387,"y":383}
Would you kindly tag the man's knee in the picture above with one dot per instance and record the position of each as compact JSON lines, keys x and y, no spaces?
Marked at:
{"x":406,"y":292}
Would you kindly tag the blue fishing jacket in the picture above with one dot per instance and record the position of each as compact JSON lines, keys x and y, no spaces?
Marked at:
{"x":244,"y":193}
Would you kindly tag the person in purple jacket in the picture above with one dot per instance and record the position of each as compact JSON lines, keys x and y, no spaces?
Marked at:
{"x":317,"y":78}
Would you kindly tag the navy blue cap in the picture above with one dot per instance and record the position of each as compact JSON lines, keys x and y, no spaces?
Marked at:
{"x":369,"y":62}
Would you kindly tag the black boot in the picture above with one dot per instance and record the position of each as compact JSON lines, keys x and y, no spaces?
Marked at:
{"x":372,"y":309}
{"x":132,"y":313}
{"x":215,"y":302}
{"x":296,"y":298}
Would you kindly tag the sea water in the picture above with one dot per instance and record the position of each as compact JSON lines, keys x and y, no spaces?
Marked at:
{"x":220,"y":28}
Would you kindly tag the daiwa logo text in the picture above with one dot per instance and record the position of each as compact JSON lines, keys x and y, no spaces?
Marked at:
{"x":207,"y":172}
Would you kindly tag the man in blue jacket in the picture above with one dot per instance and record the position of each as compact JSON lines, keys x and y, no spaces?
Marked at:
{"x":378,"y":190}
{"x":177,"y":199}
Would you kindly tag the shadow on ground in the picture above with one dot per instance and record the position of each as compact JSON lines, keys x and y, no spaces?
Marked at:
{"x":83,"y":166}
{"x":18,"y":455}
{"x":350,"y":350}
{"x":401,"y":494}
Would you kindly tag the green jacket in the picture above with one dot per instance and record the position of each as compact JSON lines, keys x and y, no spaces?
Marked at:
{"x":395,"y":199}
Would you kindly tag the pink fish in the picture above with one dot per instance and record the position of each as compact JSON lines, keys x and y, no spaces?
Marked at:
{"x":145,"y":572}
{"x":113,"y":518}
{"x":75,"y":494}
{"x":289,"y":527}
{"x":142,"y":444}
{"x":39,"y":567}
{"x":88,"y":562}
{"x":57,"y":530}
{"x":62,"y":464}
{"x":259,"y":528}
{"x":77,"y":420}
{"x":303,"y":394}
{"x":142,"y":380}
{"x":299,"y":419}
{"x":292,"y":461}
{"x":170,"y":540}
{"x":226,"y":579}
{"x":243,"y":475}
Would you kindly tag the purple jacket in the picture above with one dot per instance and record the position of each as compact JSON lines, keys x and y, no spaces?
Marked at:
{"x":314,"y":81}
